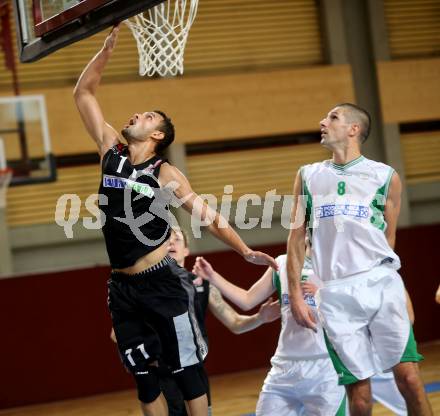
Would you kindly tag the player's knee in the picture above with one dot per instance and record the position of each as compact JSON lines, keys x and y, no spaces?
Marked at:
{"x":147,"y":382}
{"x":143,"y":366}
{"x":360,"y":406}
{"x":408,"y":382}
{"x":192,"y":381}
{"x":360,"y":399}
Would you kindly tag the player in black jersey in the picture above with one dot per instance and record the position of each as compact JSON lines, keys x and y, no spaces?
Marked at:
{"x":207,"y":296}
{"x":210,"y":297}
{"x":151,"y":299}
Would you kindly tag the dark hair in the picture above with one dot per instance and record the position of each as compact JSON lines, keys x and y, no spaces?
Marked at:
{"x":167,"y":128}
{"x":356,"y":114}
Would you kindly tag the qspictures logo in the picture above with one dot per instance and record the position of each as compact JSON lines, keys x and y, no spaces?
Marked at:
{"x":204,"y":208}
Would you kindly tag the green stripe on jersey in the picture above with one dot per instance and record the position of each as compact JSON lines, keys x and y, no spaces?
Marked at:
{"x":276,"y":282}
{"x":379,"y":202}
{"x":309,"y":205}
{"x":387,"y":183}
{"x":349,"y":164}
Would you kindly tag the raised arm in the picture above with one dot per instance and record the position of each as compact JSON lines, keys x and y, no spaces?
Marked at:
{"x":392,"y":209}
{"x":244,"y":299}
{"x":295,"y":260}
{"x":237,"y":323}
{"x":171,"y":176}
{"x":84,"y":94}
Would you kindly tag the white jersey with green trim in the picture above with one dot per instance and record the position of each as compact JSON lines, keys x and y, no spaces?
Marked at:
{"x":296,"y":342}
{"x":345,"y":216}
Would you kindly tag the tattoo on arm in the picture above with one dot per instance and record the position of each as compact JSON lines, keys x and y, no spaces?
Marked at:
{"x":217,"y":301}
{"x":228,"y":316}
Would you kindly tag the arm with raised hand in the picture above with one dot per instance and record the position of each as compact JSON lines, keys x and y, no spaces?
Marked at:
{"x":237,"y":323}
{"x":84,"y":94}
{"x":244,"y":299}
{"x":295,"y":260}
{"x":175,"y":180}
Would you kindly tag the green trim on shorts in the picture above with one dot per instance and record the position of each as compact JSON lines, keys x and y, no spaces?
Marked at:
{"x":344,"y":375}
{"x":342,"y":407}
{"x":411,"y":355}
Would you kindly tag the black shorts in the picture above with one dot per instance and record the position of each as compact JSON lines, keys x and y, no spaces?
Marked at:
{"x":153,"y":316}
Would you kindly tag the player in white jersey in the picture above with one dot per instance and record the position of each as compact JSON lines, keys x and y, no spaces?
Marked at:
{"x":351,"y":205}
{"x":302,"y":380}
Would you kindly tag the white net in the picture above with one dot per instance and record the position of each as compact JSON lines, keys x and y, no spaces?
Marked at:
{"x":161,"y":34}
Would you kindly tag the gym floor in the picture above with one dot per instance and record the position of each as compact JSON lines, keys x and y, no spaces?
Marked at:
{"x":232,"y":395}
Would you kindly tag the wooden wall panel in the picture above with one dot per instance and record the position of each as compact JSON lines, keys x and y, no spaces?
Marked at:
{"x":227,"y":35}
{"x":421,"y":156}
{"x":82,"y":181}
{"x":413,"y":27}
{"x":409,"y":90}
{"x":254,"y":171}
{"x":209,"y":108}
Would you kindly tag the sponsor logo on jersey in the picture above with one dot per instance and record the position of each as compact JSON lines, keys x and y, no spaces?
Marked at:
{"x":109,"y":181}
{"x":334,"y":210}
{"x":285,"y":299}
{"x":310,"y":300}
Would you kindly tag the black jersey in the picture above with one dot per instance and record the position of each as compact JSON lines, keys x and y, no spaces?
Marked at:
{"x":135,"y":207}
{"x":202,"y":296}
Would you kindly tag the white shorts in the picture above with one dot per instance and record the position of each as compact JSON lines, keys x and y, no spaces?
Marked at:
{"x":384,"y":390}
{"x":308,"y":387}
{"x":363,"y":314}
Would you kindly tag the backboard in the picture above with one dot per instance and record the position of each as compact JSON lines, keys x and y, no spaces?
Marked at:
{"x":25,"y":142}
{"x":45,"y":26}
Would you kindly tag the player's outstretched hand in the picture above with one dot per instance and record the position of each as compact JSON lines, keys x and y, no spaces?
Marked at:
{"x":302,"y":313}
{"x":269,"y":311}
{"x":309,"y":288}
{"x":110,"y":40}
{"x":203,"y":269}
{"x":260,"y":258}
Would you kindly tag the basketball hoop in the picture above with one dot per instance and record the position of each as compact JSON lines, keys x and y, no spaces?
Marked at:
{"x":161,"y":34}
{"x":5,"y":180}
